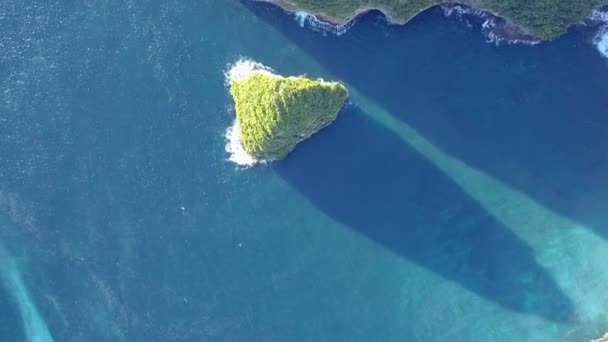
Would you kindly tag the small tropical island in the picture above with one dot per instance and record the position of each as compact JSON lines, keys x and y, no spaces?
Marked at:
{"x":541,"y":19}
{"x":275,"y":113}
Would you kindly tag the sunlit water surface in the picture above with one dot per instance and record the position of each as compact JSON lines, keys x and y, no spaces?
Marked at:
{"x":460,"y":196}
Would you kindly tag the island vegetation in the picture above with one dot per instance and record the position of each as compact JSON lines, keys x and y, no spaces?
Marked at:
{"x":275,"y":113}
{"x":544,"y":19}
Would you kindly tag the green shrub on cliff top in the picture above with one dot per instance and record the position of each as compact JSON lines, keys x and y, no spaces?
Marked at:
{"x":275,"y":113}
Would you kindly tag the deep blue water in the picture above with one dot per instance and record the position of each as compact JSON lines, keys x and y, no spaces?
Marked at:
{"x":461,"y":195}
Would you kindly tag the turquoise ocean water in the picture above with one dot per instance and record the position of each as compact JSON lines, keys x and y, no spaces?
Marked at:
{"x":460,"y":196}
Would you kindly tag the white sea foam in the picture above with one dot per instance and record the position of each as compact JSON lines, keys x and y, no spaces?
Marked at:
{"x":601,"y":41}
{"x":491,"y":37}
{"x":459,"y":11}
{"x":301,"y":17}
{"x":488,"y":27}
{"x":305,"y":18}
{"x":235,"y":148}
{"x":243,"y":68}
{"x":598,"y":17}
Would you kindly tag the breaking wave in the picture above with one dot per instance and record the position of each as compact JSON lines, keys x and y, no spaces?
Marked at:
{"x":307,"y":19}
{"x":601,"y":41}
{"x":235,"y":148}
{"x":243,"y":68}
{"x":601,"y":37}
{"x":599,"y":17}
{"x":492,"y":28}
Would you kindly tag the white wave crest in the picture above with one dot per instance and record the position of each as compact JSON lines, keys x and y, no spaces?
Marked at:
{"x":301,"y":17}
{"x":491,"y":26}
{"x":460,"y":11}
{"x":235,"y":148}
{"x":305,"y":18}
{"x":598,"y":17}
{"x":242,"y":69}
{"x":601,"y":40}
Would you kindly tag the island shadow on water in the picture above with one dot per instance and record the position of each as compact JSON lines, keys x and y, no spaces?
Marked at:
{"x":366,"y":178}
{"x":519,"y":114}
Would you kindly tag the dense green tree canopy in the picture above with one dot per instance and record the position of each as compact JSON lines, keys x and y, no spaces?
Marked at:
{"x":275,"y":113}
